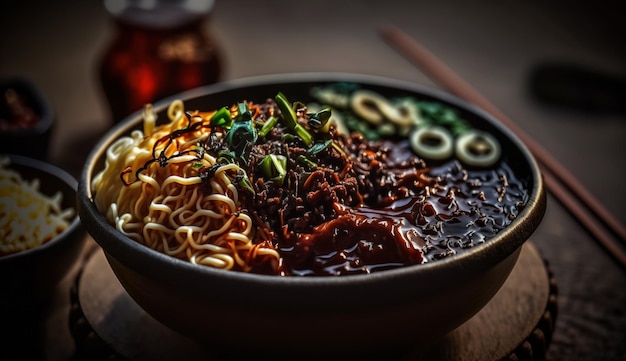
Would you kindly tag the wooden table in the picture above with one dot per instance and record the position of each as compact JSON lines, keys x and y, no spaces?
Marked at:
{"x":492,"y":44}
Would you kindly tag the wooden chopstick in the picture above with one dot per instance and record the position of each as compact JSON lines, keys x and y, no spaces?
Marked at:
{"x":581,"y":204}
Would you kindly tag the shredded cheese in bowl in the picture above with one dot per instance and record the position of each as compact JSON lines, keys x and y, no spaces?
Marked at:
{"x":28,"y":218}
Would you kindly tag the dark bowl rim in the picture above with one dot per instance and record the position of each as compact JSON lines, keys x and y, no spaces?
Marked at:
{"x":46,"y":169}
{"x":126,"y":249}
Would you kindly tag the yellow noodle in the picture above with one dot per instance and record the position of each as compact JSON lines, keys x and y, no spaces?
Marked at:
{"x":168,"y":207}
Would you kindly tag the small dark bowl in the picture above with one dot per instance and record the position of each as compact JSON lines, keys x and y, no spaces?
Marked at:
{"x":30,"y":277}
{"x":361,"y":316}
{"x":31,"y":141}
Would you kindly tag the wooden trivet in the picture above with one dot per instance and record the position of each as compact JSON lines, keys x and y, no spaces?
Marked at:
{"x":516,"y":324}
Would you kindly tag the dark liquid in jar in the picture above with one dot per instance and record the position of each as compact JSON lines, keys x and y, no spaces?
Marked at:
{"x":152,"y":57}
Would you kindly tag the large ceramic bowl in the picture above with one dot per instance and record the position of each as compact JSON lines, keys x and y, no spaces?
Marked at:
{"x":360,"y":316}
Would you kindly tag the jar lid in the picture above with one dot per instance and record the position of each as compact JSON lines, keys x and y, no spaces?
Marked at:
{"x":158,"y":13}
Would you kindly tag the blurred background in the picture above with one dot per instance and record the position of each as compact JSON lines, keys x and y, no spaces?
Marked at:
{"x":557,"y":68}
{"x":494,"y":45}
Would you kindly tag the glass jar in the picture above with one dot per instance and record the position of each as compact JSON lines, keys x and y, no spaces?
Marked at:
{"x":160,"y":48}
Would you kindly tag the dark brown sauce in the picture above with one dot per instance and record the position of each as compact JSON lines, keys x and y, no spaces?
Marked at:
{"x":355,"y":242}
{"x":447,"y":210}
{"x":460,"y":213}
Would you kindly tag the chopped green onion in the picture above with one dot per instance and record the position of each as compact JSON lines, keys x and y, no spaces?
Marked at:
{"x":287,"y":110}
{"x":306,"y":161}
{"x":268,"y":126}
{"x":242,"y":133}
{"x":226,"y":157}
{"x":304,"y":134}
{"x":319,"y":119}
{"x":244,"y":113}
{"x":432,"y":142}
{"x":274,"y":167}
{"x":318,"y":147}
{"x":478,"y":148}
{"x":222,"y":118}
{"x":244,"y":181}
{"x":290,"y":119}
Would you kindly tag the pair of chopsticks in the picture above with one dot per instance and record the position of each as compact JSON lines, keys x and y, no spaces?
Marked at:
{"x":598,"y":221}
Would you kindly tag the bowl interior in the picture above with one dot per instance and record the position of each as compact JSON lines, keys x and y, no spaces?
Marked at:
{"x":298,"y":87}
